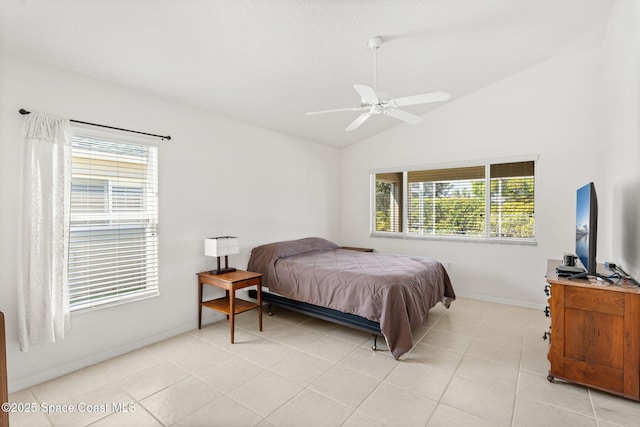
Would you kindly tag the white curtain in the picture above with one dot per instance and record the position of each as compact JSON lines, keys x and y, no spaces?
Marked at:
{"x":43,"y":295}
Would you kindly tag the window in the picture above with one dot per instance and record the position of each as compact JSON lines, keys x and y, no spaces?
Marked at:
{"x":389,"y":202}
{"x":489,"y":201}
{"x":113,"y":243}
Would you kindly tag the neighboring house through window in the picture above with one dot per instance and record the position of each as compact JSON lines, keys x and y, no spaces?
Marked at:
{"x":113,"y":249}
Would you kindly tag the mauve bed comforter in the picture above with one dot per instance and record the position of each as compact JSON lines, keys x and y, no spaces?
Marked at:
{"x":395,"y":290}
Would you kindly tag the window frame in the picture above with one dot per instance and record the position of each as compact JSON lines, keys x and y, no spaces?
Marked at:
{"x":112,"y":210}
{"x":486,"y":163}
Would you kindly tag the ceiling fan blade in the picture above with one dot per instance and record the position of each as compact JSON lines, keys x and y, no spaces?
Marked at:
{"x":311,"y":113}
{"x":404,"y":116}
{"x":367,"y":94}
{"x":358,"y":121}
{"x":422,"y":99}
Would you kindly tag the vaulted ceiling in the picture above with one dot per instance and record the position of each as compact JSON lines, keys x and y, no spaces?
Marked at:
{"x":269,"y":62}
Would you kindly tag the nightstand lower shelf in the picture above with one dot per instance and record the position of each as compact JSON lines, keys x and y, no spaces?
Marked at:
{"x":224,"y":305}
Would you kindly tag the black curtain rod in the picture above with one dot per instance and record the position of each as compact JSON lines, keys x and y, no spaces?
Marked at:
{"x":168,"y":138}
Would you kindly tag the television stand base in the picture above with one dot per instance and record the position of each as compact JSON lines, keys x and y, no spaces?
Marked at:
{"x":586,"y":275}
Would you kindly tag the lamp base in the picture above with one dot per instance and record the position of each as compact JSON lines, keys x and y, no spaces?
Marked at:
{"x":222,"y":270}
{"x":226,"y":268}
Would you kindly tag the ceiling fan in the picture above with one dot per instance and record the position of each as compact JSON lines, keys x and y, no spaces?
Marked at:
{"x":374,"y":102}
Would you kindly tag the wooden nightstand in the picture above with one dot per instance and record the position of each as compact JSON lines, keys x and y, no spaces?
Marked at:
{"x":229,"y":304}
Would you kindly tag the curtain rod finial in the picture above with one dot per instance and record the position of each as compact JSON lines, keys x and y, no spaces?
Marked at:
{"x":23,"y":111}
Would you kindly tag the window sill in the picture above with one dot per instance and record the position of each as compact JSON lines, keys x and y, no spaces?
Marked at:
{"x":90,"y":309}
{"x":461,"y":239}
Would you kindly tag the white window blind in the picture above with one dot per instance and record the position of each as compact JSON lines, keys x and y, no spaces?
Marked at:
{"x":512,"y":200}
{"x":447,"y":202}
{"x":113,"y":243}
{"x":453,"y":201}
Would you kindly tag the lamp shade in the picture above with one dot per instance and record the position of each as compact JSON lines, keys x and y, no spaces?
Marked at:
{"x":221,"y":246}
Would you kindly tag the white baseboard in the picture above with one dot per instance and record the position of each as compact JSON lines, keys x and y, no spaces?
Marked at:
{"x":525,"y":304}
{"x":50,"y":374}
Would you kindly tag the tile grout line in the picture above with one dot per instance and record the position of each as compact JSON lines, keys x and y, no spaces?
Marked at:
{"x":515,"y":395}
{"x":305,"y":387}
{"x":337,"y":364}
{"x":593,"y":408}
{"x":439,"y":401}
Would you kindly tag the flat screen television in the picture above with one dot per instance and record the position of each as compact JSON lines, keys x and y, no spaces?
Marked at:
{"x":587,"y":231}
{"x":587,"y":226}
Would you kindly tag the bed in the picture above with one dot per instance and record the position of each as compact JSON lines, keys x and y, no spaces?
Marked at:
{"x":383,"y":293}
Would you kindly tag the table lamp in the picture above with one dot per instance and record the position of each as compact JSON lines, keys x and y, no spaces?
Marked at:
{"x":222,"y":246}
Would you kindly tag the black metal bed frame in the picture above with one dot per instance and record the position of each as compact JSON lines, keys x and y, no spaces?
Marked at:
{"x":345,"y":319}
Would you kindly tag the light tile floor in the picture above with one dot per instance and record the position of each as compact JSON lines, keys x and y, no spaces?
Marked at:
{"x":478,"y":363}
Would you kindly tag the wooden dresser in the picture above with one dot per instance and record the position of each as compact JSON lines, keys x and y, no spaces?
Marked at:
{"x":594,"y":333}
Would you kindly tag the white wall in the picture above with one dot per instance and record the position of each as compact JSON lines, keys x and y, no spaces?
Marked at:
{"x":552,"y":110}
{"x":217,"y":177}
{"x":622,"y":131}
